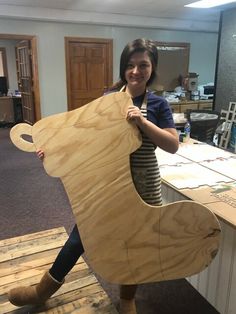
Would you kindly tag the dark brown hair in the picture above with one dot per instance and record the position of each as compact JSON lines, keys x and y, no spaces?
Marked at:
{"x":137,"y":45}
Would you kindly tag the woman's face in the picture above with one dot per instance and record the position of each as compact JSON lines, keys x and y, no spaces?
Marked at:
{"x":138,"y":71}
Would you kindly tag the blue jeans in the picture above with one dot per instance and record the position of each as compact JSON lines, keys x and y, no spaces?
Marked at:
{"x":68,"y":256}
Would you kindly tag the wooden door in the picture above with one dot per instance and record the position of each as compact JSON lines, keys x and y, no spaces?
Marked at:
{"x":24,"y":69}
{"x":89,"y":69}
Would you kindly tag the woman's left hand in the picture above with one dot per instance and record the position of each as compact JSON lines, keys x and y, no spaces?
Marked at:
{"x":134,"y":114}
{"x":167,"y":138}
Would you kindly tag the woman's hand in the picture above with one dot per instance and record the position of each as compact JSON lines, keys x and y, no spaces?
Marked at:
{"x":167,"y":138}
{"x":134,"y":114}
{"x":40,"y":154}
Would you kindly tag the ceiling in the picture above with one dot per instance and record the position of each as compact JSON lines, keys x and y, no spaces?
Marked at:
{"x":165,"y":14}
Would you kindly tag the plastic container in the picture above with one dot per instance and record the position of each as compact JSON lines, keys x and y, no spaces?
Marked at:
{"x":187,"y":131}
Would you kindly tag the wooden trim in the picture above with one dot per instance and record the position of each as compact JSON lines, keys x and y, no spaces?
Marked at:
{"x":67,"y":61}
{"x":35,"y":77}
{"x":172,"y":44}
{"x":110,"y":51}
{"x":15,"y":36}
{"x":87,"y":40}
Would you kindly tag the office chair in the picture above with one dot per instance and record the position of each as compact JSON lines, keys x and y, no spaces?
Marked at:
{"x":203,"y":124}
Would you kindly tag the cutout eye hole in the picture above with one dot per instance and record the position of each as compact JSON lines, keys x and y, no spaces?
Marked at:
{"x":27,"y":138}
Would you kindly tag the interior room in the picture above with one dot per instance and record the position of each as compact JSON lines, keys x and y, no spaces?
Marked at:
{"x":47,"y":67}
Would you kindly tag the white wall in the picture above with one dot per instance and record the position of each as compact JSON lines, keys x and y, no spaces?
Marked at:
{"x":51,"y":52}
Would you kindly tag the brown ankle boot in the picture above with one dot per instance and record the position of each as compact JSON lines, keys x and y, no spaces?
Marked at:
{"x":127,"y":302}
{"x":37,"y":294}
{"x":127,"y":306}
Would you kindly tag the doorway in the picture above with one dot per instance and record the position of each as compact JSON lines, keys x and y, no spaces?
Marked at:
{"x":89,"y":69}
{"x":27,"y":75}
{"x":3,"y":64}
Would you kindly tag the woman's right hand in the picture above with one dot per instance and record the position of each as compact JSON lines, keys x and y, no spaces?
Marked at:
{"x":40,"y":154}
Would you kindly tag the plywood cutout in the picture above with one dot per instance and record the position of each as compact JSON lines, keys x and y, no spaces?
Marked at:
{"x":126,"y":240}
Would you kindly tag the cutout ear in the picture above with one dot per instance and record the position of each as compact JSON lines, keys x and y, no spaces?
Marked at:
{"x":16,"y":137}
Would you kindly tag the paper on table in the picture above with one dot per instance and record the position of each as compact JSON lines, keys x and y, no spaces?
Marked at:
{"x":191,"y":175}
{"x":165,"y":158}
{"x":202,"y":152}
{"x":227,"y":166}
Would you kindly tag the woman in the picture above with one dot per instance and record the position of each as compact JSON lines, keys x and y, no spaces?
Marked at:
{"x":153,"y":117}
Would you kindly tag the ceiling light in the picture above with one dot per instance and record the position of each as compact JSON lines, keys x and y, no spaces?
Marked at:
{"x":208,"y":3}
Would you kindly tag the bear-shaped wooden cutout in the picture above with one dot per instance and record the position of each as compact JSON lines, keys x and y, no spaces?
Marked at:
{"x":126,"y":240}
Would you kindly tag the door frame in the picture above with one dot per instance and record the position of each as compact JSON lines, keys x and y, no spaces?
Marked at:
{"x":35,"y":76}
{"x":109,"y":42}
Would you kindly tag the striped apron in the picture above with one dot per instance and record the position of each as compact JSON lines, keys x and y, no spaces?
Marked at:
{"x":145,"y":169}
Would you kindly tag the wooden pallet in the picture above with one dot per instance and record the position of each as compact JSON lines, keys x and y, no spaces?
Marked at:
{"x":23,"y":260}
{"x":230,"y":117}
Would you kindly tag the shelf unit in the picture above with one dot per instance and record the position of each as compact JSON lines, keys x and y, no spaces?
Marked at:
{"x":183,"y":106}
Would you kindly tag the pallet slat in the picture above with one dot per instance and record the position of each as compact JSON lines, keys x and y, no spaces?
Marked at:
{"x":24,"y":259}
{"x":32,"y":236}
{"x":12,"y":251}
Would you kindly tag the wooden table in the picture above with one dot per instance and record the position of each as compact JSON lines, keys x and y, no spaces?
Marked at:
{"x":23,"y":260}
{"x":207,"y":174}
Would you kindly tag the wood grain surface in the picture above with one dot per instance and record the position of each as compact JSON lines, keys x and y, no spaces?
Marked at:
{"x":126,"y":240}
{"x":25,"y":259}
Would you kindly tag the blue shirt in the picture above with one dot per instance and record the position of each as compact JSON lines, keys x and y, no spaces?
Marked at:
{"x":158,"y":110}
